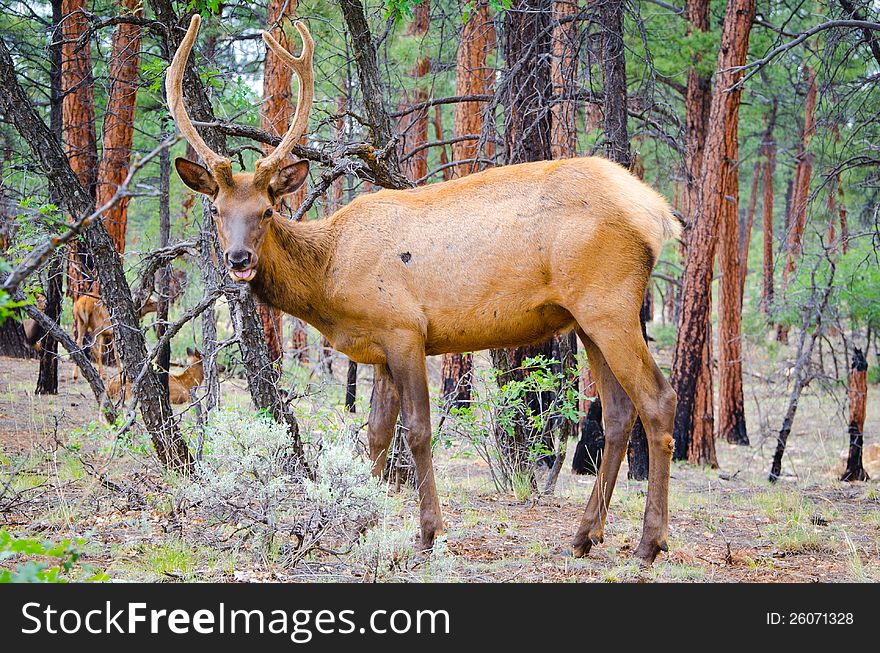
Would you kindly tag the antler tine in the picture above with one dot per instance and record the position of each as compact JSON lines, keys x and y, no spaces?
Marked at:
{"x":302,"y":66}
{"x":174,"y":94}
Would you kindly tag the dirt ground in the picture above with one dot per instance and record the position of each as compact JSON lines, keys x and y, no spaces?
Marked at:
{"x":726,"y":525}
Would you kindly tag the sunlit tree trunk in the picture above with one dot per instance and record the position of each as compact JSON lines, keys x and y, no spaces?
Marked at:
{"x":78,"y":117}
{"x":694,"y":326}
{"x":690,"y":445}
{"x":731,"y":404}
{"x":473,"y":76}
{"x":276,"y":112}
{"x":119,"y":121}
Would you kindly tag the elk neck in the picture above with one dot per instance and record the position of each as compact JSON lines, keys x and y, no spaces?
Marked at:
{"x":293,"y":266}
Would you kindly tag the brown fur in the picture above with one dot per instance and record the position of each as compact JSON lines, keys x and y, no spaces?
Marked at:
{"x":33,"y":332}
{"x":91,"y":316}
{"x":179,"y":385}
{"x":502,"y":258}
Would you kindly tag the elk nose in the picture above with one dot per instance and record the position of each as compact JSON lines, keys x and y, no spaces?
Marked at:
{"x":239,"y":259}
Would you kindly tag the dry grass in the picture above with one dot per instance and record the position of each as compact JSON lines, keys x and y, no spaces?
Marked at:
{"x":726,"y":525}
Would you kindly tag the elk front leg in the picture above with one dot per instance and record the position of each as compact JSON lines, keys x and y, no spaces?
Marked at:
{"x":407,"y":367}
{"x":384,"y":408}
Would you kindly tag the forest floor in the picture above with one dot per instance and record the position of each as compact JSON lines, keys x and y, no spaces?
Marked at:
{"x":726,"y":525}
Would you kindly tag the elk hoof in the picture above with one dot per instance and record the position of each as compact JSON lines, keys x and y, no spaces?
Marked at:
{"x":647,"y":551}
{"x":580,"y":548}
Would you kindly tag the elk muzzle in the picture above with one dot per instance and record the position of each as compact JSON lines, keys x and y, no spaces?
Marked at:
{"x":241,"y":264}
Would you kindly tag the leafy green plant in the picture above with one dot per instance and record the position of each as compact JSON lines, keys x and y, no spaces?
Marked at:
{"x":66,"y":554}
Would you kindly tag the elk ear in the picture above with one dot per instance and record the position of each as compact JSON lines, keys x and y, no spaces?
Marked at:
{"x":196,"y":177}
{"x":288,"y":178}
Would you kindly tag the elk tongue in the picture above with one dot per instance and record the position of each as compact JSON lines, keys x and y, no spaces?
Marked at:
{"x":242,"y":275}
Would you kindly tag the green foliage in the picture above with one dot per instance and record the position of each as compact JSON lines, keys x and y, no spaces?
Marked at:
{"x":65,"y":567}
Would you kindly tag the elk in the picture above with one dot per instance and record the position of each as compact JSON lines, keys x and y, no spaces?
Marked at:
{"x":91,"y":316}
{"x":179,"y":385}
{"x":502,"y":258}
{"x":33,"y":332}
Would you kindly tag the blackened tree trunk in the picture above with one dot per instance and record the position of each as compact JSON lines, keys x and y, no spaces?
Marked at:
{"x":528,"y":123}
{"x":694,"y":326}
{"x":47,"y":377}
{"x":351,"y":387}
{"x":858,"y":401}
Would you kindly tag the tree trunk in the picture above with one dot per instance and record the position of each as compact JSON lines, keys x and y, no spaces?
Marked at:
{"x":858,"y":401}
{"x":797,"y":218}
{"x":701,"y":444}
{"x":745,"y":234}
{"x":473,"y":76}
{"x":698,"y":96}
{"x":769,"y":148}
{"x":119,"y":122}
{"x":412,"y":127}
{"x":528,"y":121}
{"x":566,"y":37}
{"x":80,"y":142}
{"x":694,"y":328}
{"x":255,"y":355}
{"x":276,"y":112}
{"x":731,"y":403}
{"x":351,"y":387}
{"x":47,"y":377}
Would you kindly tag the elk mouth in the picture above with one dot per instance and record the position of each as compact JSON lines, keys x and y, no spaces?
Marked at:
{"x":243,"y":276}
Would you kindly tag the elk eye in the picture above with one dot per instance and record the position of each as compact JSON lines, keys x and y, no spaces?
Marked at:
{"x":213,"y":210}
{"x":268,"y":213}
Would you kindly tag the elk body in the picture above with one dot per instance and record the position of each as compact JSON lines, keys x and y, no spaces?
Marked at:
{"x":502,"y":258}
{"x":179,"y":385}
{"x":91,"y":316}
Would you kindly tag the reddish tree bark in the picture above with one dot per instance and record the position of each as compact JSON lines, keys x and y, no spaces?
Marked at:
{"x":858,"y":402}
{"x":473,"y":76}
{"x":275,"y":115}
{"x":413,"y":126}
{"x":119,"y":122}
{"x":698,"y":96}
{"x":803,"y":175}
{"x":731,"y":404}
{"x":78,"y":118}
{"x":694,"y":327}
{"x":745,"y":237}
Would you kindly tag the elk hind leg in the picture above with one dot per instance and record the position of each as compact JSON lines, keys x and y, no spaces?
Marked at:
{"x":618,"y":415}
{"x":620,"y":340}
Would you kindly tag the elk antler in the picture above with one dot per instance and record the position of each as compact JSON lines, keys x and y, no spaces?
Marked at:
{"x":220,"y":166}
{"x":302,"y":66}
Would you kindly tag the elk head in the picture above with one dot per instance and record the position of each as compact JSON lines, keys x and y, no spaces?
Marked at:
{"x":242,"y":204}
